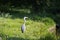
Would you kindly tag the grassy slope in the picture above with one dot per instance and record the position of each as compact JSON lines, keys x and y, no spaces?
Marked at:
{"x":35,"y":29}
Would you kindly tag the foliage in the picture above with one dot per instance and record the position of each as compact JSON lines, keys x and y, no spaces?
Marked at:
{"x":51,"y":6}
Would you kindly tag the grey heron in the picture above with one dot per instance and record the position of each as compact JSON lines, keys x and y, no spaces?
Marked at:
{"x":23,"y":27}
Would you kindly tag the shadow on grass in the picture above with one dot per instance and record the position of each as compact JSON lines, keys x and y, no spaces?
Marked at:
{"x":16,"y":38}
{"x":47,"y":38}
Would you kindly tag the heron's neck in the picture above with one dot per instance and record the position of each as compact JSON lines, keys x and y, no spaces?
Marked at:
{"x":24,"y":21}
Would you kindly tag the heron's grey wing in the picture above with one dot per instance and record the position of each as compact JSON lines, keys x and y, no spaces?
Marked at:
{"x":23,"y":28}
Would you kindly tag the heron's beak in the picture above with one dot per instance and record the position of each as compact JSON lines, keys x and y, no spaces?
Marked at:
{"x":26,"y":17}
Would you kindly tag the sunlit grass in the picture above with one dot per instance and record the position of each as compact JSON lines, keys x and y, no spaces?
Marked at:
{"x":34,"y":29}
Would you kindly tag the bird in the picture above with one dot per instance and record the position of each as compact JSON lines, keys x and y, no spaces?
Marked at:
{"x":23,"y":27}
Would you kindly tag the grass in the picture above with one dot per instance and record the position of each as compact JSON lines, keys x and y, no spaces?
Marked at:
{"x":36,"y":27}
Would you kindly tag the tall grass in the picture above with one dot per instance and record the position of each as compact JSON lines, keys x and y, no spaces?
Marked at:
{"x":10,"y":29}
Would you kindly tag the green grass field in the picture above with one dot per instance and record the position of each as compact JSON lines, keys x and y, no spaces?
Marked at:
{"x":36,"y":27}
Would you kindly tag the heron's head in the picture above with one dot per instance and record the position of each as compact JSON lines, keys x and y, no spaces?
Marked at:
{"x":25,"y":18}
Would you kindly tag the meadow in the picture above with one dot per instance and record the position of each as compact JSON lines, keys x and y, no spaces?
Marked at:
{"x":37,"y":25}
